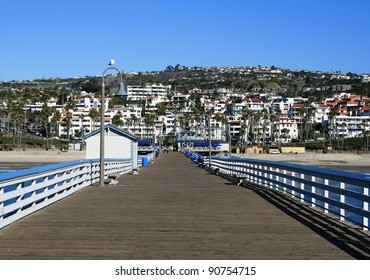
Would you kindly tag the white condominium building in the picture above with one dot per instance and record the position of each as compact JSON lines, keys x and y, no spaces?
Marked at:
{"x":154,"y":90}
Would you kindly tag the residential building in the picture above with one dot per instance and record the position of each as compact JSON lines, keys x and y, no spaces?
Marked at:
{"x":284,"y":130}
{"x":160,"y":92}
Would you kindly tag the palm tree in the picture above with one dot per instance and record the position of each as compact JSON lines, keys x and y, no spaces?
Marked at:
{"x":128,"y":123}
{"x":308,"y":111}
{"x":68,"y":121}
{"x":332,"y":116}
{"x":273,"y":119}
{"x":94,"y":115}
{"x":55,"y":118}
{"x":161,"y":109}
{"x":224,"y":121}
{"x":256,"y":127}
{"x":149,"y":122}
{"x":265,"y":117}
{"x":343,"y":129}
{"x":197,"y":117}
{"x":46,"y":113}
{"x":117,"y":119}
{"x":302,"y":121}
{"x":71,"y":105}
{"x":17,"y":114}
{"x":366,"y":133}
{"x":247,"y":115}
{"x":277,"y":111}
{"x":82,"y":118}
{"x":12,"y":109}
{"x":134,"y":121}
{"x":285,"y":132}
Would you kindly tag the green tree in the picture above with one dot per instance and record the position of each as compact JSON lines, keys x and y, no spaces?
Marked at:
{"x":224,"y":122}
{"x":285,"y":133}
{"x":18,"y":117}
{"x":149,"y":122}
{"x":45,"y":115}
{"x":55,"y":119}
{"x":91,"y":87}
{"x":134,"y":122}
{"x":265,"y":118}
{"x":332,"y":116}
{"x":68,"y":121}
{"x":247,"y":116}
{"x":117,"y":119}
{"x":161,"y":109}
{"x":256,"y":127}
{"x":94,"y":114}
{"x":278,"y":112}
{"x":71,"y":105}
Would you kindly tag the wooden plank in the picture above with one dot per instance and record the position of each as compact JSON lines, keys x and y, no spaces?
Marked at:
{"x":171,"y":210}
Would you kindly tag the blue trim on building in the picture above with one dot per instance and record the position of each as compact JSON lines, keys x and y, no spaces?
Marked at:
{"x":115,"y":130}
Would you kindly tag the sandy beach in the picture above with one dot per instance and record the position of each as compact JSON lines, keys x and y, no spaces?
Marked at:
{"x":341,"y":161}
{"x":40,"y":156}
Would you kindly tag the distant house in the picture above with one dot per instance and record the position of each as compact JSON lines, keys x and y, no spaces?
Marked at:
{"x":118,"y":144}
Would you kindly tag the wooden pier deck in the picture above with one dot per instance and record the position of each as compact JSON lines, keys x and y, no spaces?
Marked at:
{"x":171,"y":210}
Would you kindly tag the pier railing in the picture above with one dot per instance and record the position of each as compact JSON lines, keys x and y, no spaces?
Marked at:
{"x":340,"y":193}
{"x":26,"y":191}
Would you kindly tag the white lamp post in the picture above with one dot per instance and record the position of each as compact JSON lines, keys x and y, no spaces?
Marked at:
{"x":121,"y":92}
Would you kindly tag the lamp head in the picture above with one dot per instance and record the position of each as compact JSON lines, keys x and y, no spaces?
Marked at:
{"x":121,"y":92}
{"x":111,"y":62}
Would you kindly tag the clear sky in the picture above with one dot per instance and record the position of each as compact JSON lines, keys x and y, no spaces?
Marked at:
{"x":44,"y":38}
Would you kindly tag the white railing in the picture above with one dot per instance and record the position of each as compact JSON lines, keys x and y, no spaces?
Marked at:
{"x":341,"y":193}
{"x":26,"y":191}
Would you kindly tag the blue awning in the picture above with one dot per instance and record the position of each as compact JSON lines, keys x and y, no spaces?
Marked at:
{"x":145,"y":143}
{"x":206,"y":144}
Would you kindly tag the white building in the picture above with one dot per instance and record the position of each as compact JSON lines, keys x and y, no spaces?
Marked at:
{"x":285,"y":130}
{"x":154,"y":90}
{"x":349,"y":126}
{"x":118,"y":144}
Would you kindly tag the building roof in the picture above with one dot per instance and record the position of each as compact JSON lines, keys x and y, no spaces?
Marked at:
{"x":252,"y":99}
{"x":115,"y":130}
{"x":298,"y":105}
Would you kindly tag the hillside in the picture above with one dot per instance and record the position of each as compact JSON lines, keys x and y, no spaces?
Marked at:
{"x":247,"y":79}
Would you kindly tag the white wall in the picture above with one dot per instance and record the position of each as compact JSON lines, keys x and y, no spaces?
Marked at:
{"x":115,"y":146}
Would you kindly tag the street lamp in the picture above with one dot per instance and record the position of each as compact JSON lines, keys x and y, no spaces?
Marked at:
{"x":121,"y":93}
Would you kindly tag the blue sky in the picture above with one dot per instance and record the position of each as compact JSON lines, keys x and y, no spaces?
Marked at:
{"x":71,"y":38}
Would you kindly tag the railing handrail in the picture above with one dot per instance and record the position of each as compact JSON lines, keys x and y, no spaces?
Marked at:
{"x":25,"y":191}
{"x":46,"y":168}
{"x":39,"y":169}
{"x":356,"y":177}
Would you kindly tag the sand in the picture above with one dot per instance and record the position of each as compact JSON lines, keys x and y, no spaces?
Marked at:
{"x":39,"y":155}
{"x":343,"y":161}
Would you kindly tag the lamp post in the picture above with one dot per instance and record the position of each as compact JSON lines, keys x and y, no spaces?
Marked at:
{"x":121,"y":92}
